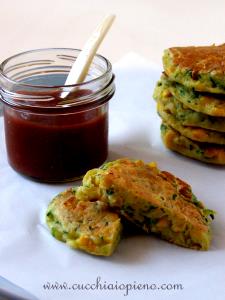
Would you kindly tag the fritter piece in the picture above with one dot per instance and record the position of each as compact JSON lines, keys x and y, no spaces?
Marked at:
{"x":209,"y":153}
{"x":154,"y":200}
{"x":209,"y":104}
{"x":194,"y":133}
{"x":84,"y":225}
{"x":201,"y":68}
{"x":185,"y":115}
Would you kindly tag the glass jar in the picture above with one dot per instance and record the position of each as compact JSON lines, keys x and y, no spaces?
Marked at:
{"x":50,"y":137}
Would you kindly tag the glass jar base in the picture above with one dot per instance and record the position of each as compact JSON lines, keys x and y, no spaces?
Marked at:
{"x":53,"y":181}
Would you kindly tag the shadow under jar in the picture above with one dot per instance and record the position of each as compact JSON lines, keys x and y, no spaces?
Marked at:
{"x":49,"y":137}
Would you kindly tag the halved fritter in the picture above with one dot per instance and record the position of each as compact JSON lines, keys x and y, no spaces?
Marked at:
{"x":201,"y":68}
{"x":156,"y":201}
{"x":209,"y":153}
{"x":84,"y":225}
{"x":209,"y":104}
{"x":195,"y":133}
{"x":187,"y":116}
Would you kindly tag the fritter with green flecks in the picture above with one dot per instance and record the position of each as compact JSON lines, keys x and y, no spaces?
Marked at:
{"x":209,"y":104}
{"x":154,"y":200}
{"x":185,"y":115}
{"x":201,"y":68}
{"x":84,"y":225}
{"x":209,"y":153}
{"x":194,"y":133}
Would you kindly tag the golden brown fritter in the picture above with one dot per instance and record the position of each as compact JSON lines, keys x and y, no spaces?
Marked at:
{"x":194,"y":133}
{"x":155,"y":200}
{"x":201,"y":68}
{"x":205,"y":152}
{"x":84,"y":225}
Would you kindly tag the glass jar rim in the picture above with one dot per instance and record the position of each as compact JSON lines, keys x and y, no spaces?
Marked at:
{"x":82,"y":84}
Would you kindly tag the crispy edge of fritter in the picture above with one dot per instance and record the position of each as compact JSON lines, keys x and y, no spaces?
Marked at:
{"x":209,"y":104}
{"x":185,"y":115}
{"x":194,"y":133}
{"x":209,"y":153}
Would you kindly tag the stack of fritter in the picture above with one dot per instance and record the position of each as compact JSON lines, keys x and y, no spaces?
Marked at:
{"x":191,"y":102}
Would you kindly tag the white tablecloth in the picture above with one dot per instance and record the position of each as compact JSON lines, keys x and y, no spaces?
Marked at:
{"x":31,"y":257}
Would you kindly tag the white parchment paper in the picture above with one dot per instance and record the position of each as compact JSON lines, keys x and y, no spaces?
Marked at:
{"x":32,"y":258}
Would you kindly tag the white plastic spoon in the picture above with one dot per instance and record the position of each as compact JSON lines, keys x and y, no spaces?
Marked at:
{"x":82,"y":64}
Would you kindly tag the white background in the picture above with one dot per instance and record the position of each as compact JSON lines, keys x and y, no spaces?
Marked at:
{"x":29,"y":256}
{"x":143,"y":26}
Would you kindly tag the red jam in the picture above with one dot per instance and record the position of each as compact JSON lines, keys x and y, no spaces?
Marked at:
{"x":48,"y":137}
{"x":57,"y":146}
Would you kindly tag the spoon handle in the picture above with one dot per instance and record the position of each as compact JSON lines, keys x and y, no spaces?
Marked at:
{"x":81,"y":66}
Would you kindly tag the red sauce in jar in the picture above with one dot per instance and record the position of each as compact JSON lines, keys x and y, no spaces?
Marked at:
{"x":46,"y":138}
{"x":57,"y":146}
